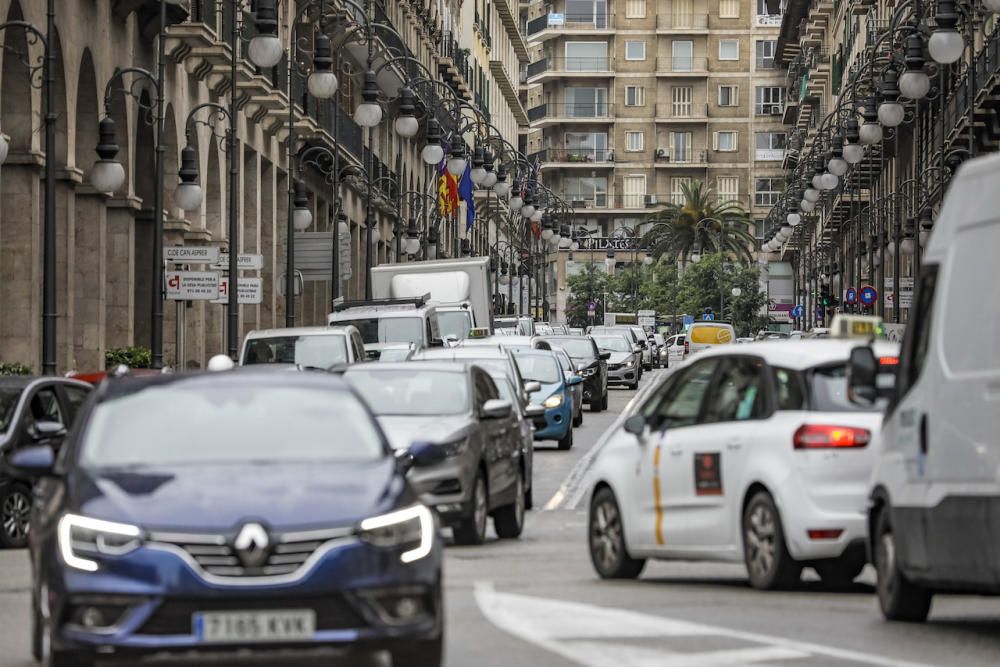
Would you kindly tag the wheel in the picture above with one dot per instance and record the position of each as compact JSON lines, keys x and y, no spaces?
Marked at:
{"x":634,"y":385}
{"x":899,"y":598}
{"x":420,"y":653}
{"x":15,"y":508}
{"x":578,"y":418}
{"x":472,"y":529}
{"x":606,"y":538}
{"x":604,"y":401}
{"x":839,"y":573}
{"x":768,"y":562}
{"x":566,"y":442}
{"x":529,"y":498}
{"x":508,"y":521}
{"x":595,"y":405}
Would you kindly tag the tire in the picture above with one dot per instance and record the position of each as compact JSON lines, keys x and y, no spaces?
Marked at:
{"x":604,"y":401}
{"x":529,"y":498}
{"x":420,"y":653}
{"x":595,"y":405}
{"x":606,"y":539}
{"x":765,"y":553}
{"x":566,"y":442}
{"x":578,"y":419}
{"x":508,"y":521}
{"x":839,"y":573}
{"x":898,"y":597}
{"x":634,"y":385}
{"x":15,"y":508}
{"x":472,"y":529}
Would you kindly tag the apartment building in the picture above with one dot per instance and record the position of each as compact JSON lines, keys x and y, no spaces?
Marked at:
{"x":630,"y":99}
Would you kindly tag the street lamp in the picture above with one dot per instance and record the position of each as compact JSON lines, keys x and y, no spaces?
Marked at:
{"x":322,"y":82}
{"x":433,"y":153}
{"x":265,"y":48}
{"x":946,"y":44}
{"x":368,"y":114}
{"x":301,"y":217}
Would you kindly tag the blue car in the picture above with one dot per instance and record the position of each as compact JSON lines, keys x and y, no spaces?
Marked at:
{"x":229,"y":511}
{"x":555,"y":395}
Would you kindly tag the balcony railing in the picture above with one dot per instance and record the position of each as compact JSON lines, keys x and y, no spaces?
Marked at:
{"x":769,"y":154}
{"x":766,"y":63}
{"x":671,"y":21}
{"x":570,"y":64}
{"x":769,"y":19}
{"x":570,"y":22}
{"x":571,"y":110}
{"x":674,"y":155}
{"x":681,"y":64}
{"x":682,"y":111}
{"x":577,"y":155}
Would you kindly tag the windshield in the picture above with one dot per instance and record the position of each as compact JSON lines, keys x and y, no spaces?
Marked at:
{"x":454,"y":324}
{"x":388,"y":329}
{"x":613,"y":343}
{"x":578,"y":349}
{"x":395,"y":354}
{"x":196,"y":423}
{"x":8,"y":403}
{"x":540,"y":368}
{"x":317,"y":351}
{"x":407,"y":393}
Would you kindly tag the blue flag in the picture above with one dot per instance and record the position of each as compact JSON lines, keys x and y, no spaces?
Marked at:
{"x":465,"y":194}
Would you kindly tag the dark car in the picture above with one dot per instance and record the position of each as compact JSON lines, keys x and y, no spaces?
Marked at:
{"x":222,"y":512}
{"x":456,"y":405}
{"x":33,"y":411}
{"x":592,"y":365}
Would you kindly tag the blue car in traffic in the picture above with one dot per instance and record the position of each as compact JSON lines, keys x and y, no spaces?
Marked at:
{"x":555,"y":395}
{"x":224,"y":512}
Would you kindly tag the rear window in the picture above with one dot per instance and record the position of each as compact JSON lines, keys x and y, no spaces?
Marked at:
{"x":822,"y":389}
{"x":710,"y":335}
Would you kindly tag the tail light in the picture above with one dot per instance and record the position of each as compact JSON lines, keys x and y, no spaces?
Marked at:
{"x":825,"y":533}
{"x":888,"y":361}
{"x":822,"y":436}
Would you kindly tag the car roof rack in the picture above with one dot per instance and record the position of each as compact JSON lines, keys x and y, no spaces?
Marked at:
{"x":416,"y":302}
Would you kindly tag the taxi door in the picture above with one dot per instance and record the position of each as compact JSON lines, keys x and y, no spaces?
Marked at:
{"x":665,"y":483}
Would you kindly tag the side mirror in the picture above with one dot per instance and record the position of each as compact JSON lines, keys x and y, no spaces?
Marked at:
{"x":862,"y":372}
{"x":636,"y":348}
{"x":48,"y":430}
{"x":636,"y":425}
{"x":496,"y":408}
{"x":536,"y":413}
{"x":605,"y":355}
{"x":37,"y":461}
{"x":421,"y":455}
{"x":531,"y":386}
{"x":574,"y":380}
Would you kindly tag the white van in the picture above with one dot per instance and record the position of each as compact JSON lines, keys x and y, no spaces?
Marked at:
{"x":934,"y":519}
{"x":705,"y":335}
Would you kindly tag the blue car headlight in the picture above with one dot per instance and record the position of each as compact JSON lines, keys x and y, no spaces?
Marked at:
{"x":409,"y":527}
{"x":81,"y":536}
{"x":553,"y":401}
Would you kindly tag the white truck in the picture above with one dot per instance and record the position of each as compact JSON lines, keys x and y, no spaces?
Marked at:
{"x":460,"y":289}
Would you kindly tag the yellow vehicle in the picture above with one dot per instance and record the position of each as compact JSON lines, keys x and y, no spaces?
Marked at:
{"x":856,"y":326}
{"x":703,"y":335}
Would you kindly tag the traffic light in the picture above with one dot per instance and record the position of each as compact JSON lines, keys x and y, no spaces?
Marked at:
{"x":826,"y":299}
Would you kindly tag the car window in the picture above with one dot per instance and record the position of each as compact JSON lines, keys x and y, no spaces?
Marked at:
{"x":828,"y":392}
{"x":43,"y":406}
{"x":737,"y":392}
{"x":541,"y":368}
{"x":791,"y":390}
{"x":916,"y":340}
{"x":680,"y":402}
{"x":308,"y":351}
{"x":75,"y":398}
{"x":613,"y":343}
{"x":485,"y":389}
{"x":405,"y":393}
{"x":388,"y":329}
{"x":581,"y":348}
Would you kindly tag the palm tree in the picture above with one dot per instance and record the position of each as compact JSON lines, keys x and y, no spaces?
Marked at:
{"x":701,"y":221}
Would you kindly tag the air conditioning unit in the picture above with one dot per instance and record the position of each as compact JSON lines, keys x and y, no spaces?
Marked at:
{"x":651,"y":200}
{"x":777,"y":111}
{"x":662,"y":154}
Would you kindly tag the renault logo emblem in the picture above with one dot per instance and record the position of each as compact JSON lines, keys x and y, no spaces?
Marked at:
{"x":251,"y":545}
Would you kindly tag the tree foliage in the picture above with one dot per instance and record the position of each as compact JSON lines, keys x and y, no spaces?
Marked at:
{"x":701,"y":220}
{"x":133,"y":357}
{"x":590,"y":285}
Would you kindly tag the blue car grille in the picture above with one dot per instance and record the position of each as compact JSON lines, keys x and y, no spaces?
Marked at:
{"x":174,"y":615}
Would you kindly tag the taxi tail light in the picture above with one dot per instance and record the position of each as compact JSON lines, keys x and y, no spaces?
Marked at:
{"x":825,"y":436}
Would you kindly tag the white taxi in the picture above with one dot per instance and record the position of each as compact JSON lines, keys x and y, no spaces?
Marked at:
{"x":751,"y":453}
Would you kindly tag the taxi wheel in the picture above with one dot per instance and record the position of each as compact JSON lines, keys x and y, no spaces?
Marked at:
{"x":508,"y":521}
{"x":768,"y":562}
{"x":420,"y":653}
{"x":566,"y":442}
{"x":472,"y":529}
{"x":898,"y":597}
{"x":606,"y":537}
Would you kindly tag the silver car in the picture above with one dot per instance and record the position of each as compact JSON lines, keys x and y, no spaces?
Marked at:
{"x":625,"y":362}
{"x":307,"y":347}
{"x":458,"y":406}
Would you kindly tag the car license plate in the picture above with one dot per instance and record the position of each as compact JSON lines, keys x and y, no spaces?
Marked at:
{"x":255,"y":626}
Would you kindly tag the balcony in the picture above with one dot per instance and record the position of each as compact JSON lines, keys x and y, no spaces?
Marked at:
{"x":763,"y":64}
{"x":567,"y":112}
{"x":775,"y":109}
{"x":681,"y":65}
{"x":581,"y":157}
{"x":672,"y":22}
{"x":686,"y":157}
{"x":690,"y":112}
{"x":773,"y":20}
{"x":454,"y":67}
{"x":571,"y":66}
{"x":554,"y":25}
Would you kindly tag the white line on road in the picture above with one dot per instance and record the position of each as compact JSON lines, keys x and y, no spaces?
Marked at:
{"x":574,"y":631}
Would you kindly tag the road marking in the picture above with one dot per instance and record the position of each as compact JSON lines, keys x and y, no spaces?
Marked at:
{"x":595,"y":636}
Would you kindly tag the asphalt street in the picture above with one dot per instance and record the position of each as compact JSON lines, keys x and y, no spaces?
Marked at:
{"x":537,"y":602}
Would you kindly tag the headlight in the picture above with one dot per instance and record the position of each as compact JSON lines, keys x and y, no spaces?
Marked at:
{"x":455,"y":447}
{"x":630,"y":363}
{"x":82,"y":536}
{"x":587,"y":372}
{"x":411,"y":527}
{"x":553,"y":401}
